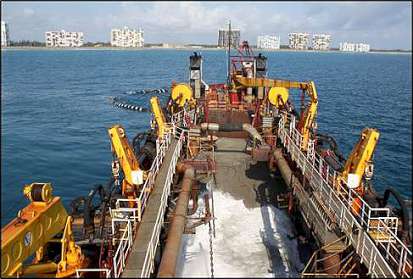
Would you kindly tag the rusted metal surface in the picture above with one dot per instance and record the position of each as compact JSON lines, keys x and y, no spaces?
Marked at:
{"x":309,"y":212}
{"x":331,"y":262}
{"x":194,"y":197}
{"x":233,"y":117}
{"x":170,"y":255}
{"x":261,"y":153}
{"x":202,"y":166}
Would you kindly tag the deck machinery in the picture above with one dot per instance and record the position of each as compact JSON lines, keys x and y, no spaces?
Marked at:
{"x":356,"y":231}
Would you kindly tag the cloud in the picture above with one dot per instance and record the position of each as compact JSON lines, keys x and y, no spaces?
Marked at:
{"x":382,"y":24}
{"x":28,"y":12}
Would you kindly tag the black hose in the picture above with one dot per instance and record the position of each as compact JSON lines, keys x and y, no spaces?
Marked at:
{"x":404,"y":214}
{"x":136,"y":142}
{"x":89,"y":209}
{"x":333,"y":145}
{"x":162,"y":90}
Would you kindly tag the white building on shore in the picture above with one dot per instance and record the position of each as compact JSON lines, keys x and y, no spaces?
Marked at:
{"x":321,"y":41}
{"x":64,"y":39}
{"x":268,"y":42}
{"x":298,"y":41}
{"x":354,"y":47}
{"x":127,"y":37}
{"x":4,"y":34}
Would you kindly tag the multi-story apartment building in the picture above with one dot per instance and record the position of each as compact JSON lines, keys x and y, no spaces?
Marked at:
{"x":321,"y":41}
{"x":354,"y":47}
{"x":4,"y":34}
{"x":64,"y":39}
{"x":298,"y":40}
{"x":268,"y":42}
{"x":127,"y":37}
{"x":223,"y":37}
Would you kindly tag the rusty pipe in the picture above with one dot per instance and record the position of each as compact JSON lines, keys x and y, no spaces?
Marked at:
{"x":194,"y":198}
{"x":231,"y":127}
{"x":167,"y":267}
{"x":291,"y":181}
{"x":285,"y":169}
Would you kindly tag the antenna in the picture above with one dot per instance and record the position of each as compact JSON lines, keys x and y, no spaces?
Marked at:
{"x":229,"y":53}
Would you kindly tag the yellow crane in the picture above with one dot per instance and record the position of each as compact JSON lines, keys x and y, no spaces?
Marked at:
{"x":359,"y":164}
{"x":278,"y":91}
{"x":160,"y":119}
{"x":37,"y":225}
{"x":359,"y":161}
{"x":133,"y":175}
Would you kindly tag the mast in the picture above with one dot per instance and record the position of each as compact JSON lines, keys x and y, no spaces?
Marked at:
{"x":229,"y":54}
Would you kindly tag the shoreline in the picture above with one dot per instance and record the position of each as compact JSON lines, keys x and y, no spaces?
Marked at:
{"x":22,"y":48}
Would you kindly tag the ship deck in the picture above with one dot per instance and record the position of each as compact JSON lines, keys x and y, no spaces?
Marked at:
{"x":253,"y":237}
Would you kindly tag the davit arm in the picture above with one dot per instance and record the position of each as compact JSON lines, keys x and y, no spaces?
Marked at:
{"x":307,"y":119}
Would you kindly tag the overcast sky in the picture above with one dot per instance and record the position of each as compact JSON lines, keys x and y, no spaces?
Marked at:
{"x":384,"y":25}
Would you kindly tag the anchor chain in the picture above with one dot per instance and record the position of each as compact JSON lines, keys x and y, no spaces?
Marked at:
{"x":211,"y":252}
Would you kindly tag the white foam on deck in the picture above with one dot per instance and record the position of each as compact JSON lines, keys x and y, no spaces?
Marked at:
{"x":239,"y":249}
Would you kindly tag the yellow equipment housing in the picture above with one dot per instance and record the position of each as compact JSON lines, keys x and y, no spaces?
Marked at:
{"x":360,"y":158}
{"x":35,"y":226}
{"x":133,"y":175}
{"x":159,"y":117}
{"x":278,"y":96}
{"x":181,"y":94}
{"x":306,"y":121}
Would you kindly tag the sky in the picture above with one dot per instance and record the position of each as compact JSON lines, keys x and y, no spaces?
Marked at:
{"x":384,"y":25}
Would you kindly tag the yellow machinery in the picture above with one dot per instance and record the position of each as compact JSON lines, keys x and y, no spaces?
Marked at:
{"x":358,"y":164}
{"x":133,"y":175}
{"x":37,"y":225}
{"x":159,"y":117}
{"x":359,"y":161}
{"x":182,"y":94}
{"x":279,"y":93}
{"x":278,"y":96}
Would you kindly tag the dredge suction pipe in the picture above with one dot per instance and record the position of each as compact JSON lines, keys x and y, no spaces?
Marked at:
{"x":167,"y":267}
{"x":227,"y":127}
{"x":285,"y":170}
{"x":331,"y":261}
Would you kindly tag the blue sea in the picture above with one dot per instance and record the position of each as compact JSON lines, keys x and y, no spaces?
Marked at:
{"x":56,"y":109}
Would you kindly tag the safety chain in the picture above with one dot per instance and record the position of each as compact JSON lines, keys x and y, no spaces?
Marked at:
{"x":211,"y":252}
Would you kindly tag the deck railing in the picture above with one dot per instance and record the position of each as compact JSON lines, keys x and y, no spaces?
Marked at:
{"x":385,"y":257}
{"x":93,"y":270}
{"x":148,"y":266}
{"x":131,"y":216}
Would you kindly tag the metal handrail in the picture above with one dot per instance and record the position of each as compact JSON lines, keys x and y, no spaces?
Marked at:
{"x":148,"y":265}
{"x":134,"y":215}
{"x":125,"y":243}
{"x":108,"y":271}
{"x":341,"y":202}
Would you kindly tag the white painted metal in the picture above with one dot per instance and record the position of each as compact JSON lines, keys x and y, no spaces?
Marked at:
{"x":380,"y":262}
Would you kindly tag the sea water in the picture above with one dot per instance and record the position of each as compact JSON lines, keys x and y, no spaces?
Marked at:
{"x":56,"y":109}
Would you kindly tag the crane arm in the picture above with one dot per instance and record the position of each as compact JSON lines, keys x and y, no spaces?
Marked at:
{"x":308,"y":87}
{"x":36,"y":225}
{"x":124,"y":153}
{"x":360,"y":157}
{"x":159,"y":116}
